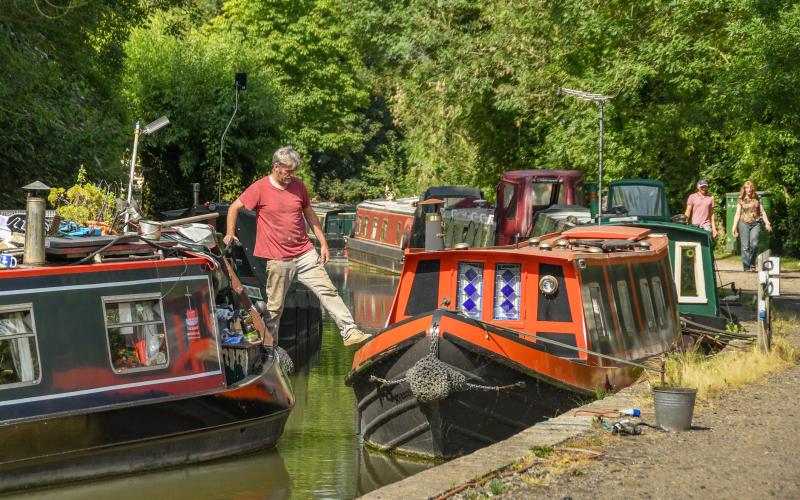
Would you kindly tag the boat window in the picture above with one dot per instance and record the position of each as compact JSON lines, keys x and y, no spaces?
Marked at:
{"x":470,"y":288}
{"x":542,"y":193}
{"x":424,"y":295}
{"x":689,"y":279}
{"x":509,"y":202}
{"x":374,"y":228}
{"x":19,"y":351}
{"x":507,"y":291}
{"x":398,"y":235}
{"x":384,"y":227}
{"x":136,"y":332}
{"x":597,"y":319}
{"x":628,"y":325}
{"x":647,"y":302}
{"x":661,"y":305}
{"x":357,"y":221}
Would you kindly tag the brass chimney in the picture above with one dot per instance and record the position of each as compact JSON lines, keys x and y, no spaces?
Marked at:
{"x":34,"y":223}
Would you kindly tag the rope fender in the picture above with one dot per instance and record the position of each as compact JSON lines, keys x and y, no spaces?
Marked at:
{"x":431,"y":379}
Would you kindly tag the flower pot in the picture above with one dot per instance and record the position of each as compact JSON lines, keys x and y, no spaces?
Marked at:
{"x":674,"y":407}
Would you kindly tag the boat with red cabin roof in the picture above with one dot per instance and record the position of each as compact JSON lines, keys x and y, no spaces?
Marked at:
{"x":482,"y":343}
{"x":116,"y":355}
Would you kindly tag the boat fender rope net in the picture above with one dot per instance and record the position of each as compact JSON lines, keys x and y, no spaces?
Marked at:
{"x":430,"y":379}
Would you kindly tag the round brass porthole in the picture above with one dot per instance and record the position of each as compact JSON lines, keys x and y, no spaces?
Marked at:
{"x":548,"y":285}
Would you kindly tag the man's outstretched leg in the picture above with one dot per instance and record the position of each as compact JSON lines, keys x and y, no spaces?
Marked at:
{"x":312,"y":274}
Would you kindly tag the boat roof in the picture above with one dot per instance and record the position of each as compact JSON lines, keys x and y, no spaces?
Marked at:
{"x":636,"y":182}
{"x":520,"y":175}
{"x":401,"y":205}
{"x":451,"y":192}
{"x":629,"y":233}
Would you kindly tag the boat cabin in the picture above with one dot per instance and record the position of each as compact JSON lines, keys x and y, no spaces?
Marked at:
{"x":614,"y":302}
{"x":522,"y":193}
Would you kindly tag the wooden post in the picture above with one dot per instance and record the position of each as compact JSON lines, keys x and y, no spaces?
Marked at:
{"x":763,"y":309}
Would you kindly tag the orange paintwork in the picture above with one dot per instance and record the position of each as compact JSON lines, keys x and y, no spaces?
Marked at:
{"x":607,"y":232}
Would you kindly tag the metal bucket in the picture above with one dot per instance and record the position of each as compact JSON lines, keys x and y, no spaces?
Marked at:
{"x":674,"y":407}
{"x":150,"y":230}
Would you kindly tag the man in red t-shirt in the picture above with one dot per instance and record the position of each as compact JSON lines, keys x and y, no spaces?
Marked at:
{"x":700,"y":208}
{"x":282,"y":207}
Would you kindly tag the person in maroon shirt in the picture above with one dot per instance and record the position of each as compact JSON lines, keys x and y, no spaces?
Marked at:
{"x":282,"y":207}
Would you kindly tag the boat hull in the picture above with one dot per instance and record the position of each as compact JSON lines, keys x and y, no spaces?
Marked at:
{"x":138,"y":437}
{"x":369,"y":253}
{"x":392,"y":418}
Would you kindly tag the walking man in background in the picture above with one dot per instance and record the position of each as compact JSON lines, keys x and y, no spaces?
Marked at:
{"x":700,"y":208}
{"x":282,"y":207}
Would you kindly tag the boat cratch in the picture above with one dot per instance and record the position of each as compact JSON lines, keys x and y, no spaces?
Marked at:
{"x":482,"y":343}
{"x":113,"y":359}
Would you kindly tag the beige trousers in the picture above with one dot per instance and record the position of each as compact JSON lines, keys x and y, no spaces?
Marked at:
{"x":310,"y":271}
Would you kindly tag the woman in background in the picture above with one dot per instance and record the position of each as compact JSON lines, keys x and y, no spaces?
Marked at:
{"x":747,"y":223}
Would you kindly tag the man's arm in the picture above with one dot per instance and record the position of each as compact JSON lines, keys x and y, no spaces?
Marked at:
{"x":233,"y":213}
{"x":688,"y":212}
{"x":313,"y":221}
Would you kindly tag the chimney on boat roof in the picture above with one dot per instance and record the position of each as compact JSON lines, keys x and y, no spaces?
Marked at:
{"x":34,"y":223}
{"x":434,"y":239}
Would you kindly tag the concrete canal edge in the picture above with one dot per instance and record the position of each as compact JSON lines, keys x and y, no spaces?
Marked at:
{"x":574,"y":423}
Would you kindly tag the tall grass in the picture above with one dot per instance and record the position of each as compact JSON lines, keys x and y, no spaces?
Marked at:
{"x":711,"y":375}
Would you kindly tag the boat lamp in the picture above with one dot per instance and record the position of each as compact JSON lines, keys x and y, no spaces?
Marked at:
{"x":548,"y":285}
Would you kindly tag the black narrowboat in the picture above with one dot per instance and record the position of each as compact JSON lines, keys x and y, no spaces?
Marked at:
{"x":112,"y":360}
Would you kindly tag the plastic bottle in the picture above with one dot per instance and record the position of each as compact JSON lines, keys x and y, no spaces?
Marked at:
{"x":632,"y":412}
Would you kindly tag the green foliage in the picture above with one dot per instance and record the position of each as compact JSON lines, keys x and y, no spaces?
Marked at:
{"x":84,"y":202}
{"x":59,"y":105}
{"x":190,"y":78}
{"x":542,"y":451}
{"x":703,"y":88}
{"x":397,"y":96}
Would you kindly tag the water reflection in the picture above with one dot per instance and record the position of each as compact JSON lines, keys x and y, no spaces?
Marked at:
{"x":262,"y":476}
{"x":319,"y":455}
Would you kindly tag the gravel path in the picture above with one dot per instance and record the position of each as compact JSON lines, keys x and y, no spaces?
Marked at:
{"x":745,"y":444}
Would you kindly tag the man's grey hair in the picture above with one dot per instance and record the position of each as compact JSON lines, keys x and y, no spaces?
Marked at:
{"x":287,"y":157}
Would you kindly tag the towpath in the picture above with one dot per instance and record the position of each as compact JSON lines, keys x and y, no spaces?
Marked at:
{"x":745,"y":444}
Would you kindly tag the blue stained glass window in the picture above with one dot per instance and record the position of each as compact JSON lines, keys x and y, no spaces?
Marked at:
{"x":470,"y":288}
{"x":507,"y":291}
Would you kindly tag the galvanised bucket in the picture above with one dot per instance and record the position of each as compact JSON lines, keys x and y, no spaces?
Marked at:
{"x":674,"y":407}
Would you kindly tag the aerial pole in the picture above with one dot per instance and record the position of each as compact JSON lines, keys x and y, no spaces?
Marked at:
{"x":600,"y":100}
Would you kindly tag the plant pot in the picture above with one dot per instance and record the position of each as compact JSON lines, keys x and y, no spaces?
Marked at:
{"x":674,"y":407}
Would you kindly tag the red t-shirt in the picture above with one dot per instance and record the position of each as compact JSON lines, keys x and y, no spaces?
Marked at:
{"x":281,"y":228}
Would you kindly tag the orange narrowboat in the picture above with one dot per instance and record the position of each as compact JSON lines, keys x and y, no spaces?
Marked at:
{"x":482,"y":343}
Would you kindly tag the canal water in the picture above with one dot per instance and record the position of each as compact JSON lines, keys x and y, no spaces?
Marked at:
{"x":320,"y":454}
